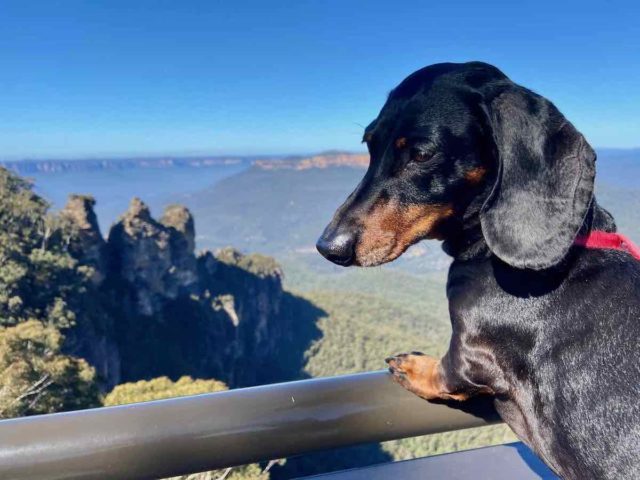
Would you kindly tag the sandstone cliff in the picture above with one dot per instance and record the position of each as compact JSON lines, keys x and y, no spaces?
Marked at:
{"x":161,"y":309}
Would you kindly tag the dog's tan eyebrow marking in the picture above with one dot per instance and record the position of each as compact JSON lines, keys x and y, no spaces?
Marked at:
{"x":475,"y":175}
{"x":401,"y":142}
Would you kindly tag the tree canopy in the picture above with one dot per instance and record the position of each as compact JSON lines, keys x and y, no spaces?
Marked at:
{"x":159,"y":388}
{"x":39,"y":279}
{"x":36,"y":378}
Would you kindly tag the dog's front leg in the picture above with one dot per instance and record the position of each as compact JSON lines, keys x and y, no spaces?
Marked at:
{"x":423,"y":375}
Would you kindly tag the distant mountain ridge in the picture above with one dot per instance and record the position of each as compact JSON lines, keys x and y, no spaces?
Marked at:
{"x":267,"y":162}
{"x":26,"y":167}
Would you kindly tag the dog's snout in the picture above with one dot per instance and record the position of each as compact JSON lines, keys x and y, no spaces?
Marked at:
{"x":337,"y":247}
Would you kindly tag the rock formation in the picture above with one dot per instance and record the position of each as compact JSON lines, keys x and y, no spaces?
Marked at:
{"x":156,"y":258}
{"x":160,"y":309}
{"x":85,"y":240}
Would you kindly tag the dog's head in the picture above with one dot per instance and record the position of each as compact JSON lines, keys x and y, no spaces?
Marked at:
{"x":453,"y":134}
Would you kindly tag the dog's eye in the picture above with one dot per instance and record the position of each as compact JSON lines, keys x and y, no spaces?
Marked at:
{"x":420,"y":156}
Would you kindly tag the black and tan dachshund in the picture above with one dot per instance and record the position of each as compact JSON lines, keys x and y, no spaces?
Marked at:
{"x":544,"y":297}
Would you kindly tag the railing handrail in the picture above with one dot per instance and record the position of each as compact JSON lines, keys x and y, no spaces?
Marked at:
{"x":202,"y":432}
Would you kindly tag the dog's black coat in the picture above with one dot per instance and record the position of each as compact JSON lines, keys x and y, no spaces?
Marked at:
{"x":551,"y":329}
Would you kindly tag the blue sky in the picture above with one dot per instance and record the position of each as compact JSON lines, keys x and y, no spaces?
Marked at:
{"x":105,"y":78}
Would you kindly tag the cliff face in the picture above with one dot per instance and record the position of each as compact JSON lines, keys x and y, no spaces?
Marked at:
{"x":91,"y":337}
{"x":160,"y":309}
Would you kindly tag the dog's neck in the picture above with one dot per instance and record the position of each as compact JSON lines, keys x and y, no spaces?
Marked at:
{"x":464,"y":239}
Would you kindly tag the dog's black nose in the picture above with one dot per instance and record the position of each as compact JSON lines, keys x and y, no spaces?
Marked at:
{"x":337,"y":247}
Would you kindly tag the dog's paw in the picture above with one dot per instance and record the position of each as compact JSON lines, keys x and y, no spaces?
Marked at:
{"x":420,"y":374}
{"x":416,"y":372}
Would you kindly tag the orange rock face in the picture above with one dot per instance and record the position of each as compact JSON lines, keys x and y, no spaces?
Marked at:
{"x":356,"y":160}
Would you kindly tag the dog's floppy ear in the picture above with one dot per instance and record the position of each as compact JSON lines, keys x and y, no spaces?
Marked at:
{"x":544,"y":185}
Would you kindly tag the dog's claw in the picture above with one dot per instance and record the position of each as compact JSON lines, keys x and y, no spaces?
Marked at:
{"x":394,"y":363}
{"x":398,"y":376}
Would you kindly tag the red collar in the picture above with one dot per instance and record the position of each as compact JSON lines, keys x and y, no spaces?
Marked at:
{"x":607,"y":240}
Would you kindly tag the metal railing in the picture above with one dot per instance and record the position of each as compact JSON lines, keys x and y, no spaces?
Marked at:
{"x":203,"y":432}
